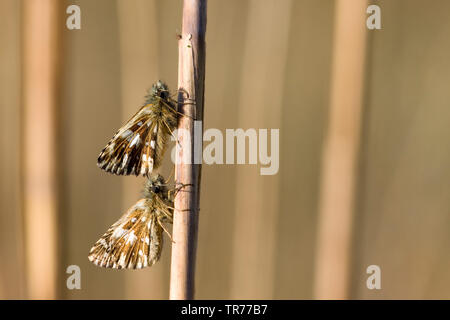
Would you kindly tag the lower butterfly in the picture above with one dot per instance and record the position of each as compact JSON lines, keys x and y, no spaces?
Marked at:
{"x":139,"y":145}
{"x":135,"y":241}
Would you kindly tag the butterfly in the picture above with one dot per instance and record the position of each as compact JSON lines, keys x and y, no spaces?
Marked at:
{"x":135,"y":241}
{"x":139,"y":145}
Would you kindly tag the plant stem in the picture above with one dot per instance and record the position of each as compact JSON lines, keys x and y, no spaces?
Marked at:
{"x":339,"y":158}
{"x":191,"y":78}
{"x":40,"y":182}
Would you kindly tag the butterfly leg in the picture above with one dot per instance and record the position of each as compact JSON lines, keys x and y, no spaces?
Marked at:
{"x":187,"y":98}
{"x":172,"y":208}
{"x":165,"y":230}
{"x":171,"y":133}
{"x":178,"y":189}
{"x":175,"y":95}
{"x":176,"y":111}
{"x":170,"y":176}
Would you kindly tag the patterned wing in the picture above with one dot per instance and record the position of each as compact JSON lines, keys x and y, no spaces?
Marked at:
{"x":154,"y":147}
{"x":134,"y":241}
{"x":125,"y":152}
{"x":150,"y":156}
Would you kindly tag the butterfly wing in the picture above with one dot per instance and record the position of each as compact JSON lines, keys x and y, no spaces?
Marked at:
{"x":138,"y":147}
{"x":133,"y":242}
{"x":123,"y":154}
{"x":154,"y":147}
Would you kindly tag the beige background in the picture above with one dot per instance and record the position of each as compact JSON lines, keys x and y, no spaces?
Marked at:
{"x":269,"y":65}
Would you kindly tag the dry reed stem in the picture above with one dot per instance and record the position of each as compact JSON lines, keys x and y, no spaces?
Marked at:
{"x":191,"y":77}
{"x":339,"y":158}
{"x":40,"y":91}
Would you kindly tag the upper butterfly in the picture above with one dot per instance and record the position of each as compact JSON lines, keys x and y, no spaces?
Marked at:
{"x":138,"y":147}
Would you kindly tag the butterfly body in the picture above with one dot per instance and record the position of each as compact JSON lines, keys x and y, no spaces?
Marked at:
{"x":135,"y":241}
{"x":139,"y":145}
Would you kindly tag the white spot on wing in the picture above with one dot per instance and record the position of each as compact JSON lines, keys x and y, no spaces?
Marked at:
{"x":126,"y":133}
{"x":140,"y":204}
{"x":150,"y":163}
{"x":136,"y":141}
{"x":125,"y":158}
{"x":104,"y":243}
{"x":131,"y":238}
{"x":122,"y":260}
{"x":118,"y":233}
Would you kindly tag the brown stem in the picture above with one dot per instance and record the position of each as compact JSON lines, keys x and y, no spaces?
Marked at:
{"x":40,"y":94}
{"x":191,"y":78}
{"x":339,"y":158}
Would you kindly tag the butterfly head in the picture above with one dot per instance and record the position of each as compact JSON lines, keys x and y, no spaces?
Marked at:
{"x":155,"y":185}
{"x":160,"y":89}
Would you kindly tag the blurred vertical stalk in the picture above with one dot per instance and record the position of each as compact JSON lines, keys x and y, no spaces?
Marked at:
{"x":138,"y":31}
{"x":191,"y":81}
{"x":12,"y":271}
{"x":339,"y":159}
{"x":40,"y":79}
{"x":254,"y":253}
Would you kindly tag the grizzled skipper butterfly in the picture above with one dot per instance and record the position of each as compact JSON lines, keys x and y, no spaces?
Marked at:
{"x":135,"y":240}
{"x":138,"y":146}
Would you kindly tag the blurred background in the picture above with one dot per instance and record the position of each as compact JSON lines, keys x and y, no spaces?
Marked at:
{"x":364,"y":122}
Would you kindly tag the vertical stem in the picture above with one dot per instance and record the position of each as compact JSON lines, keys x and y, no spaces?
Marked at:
{"x":191,"y":78}
{"x":258,"y":206}
{"x":340,"y":152}
{"x":12,"y":275}
{"x":40,"y":87}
